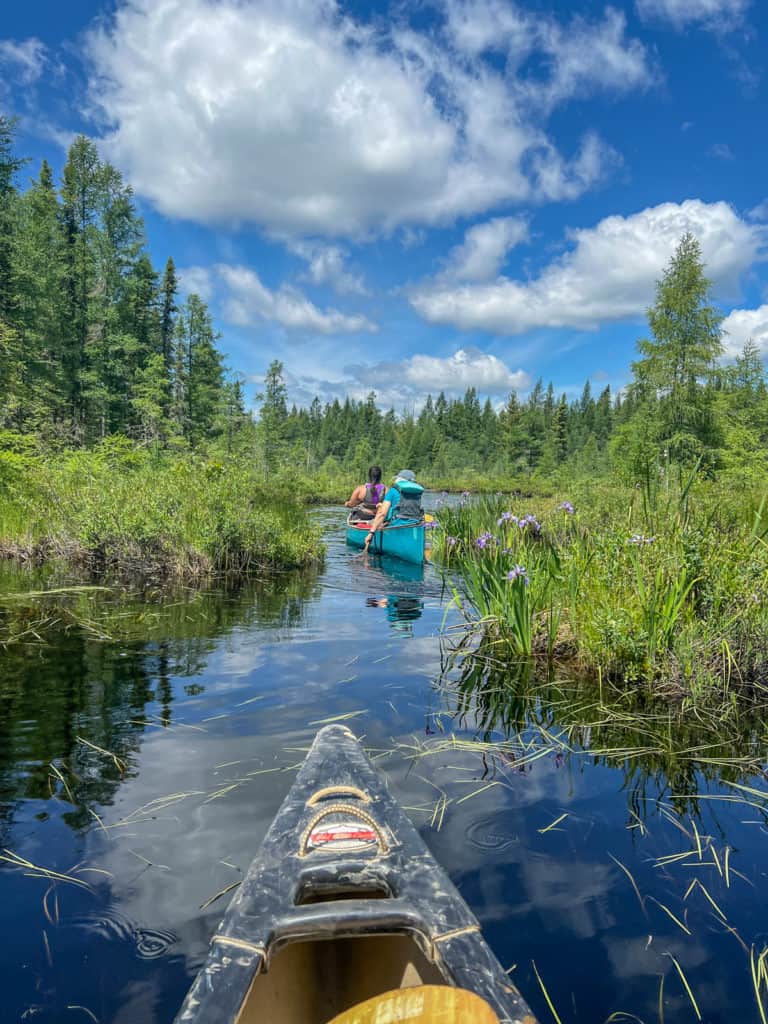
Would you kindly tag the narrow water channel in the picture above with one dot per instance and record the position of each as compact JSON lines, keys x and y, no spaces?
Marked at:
{"x":209,"y":700}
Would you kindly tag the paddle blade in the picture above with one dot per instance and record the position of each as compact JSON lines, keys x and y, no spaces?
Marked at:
{"x":425,"y":1004}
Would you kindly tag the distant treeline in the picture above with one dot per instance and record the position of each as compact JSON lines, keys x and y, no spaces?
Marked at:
{"x":94,"y":342}
{"x":683,"y":409}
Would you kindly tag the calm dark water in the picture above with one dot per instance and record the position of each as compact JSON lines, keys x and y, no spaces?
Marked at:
{"x":210,"y":711}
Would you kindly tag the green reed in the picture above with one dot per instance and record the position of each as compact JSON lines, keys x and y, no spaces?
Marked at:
{"x":671,"y":592}
{"x":126,"y":508}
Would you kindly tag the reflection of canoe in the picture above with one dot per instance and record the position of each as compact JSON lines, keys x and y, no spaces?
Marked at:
{"x":404,"y":541}
{"x":342,"y":903}
{"x":397,"y":569}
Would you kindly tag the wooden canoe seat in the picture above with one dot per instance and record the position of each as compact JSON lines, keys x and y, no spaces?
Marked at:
{"x":424,"y":1004}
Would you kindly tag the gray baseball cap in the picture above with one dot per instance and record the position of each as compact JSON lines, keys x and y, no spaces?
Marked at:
{"x":406,"y":474}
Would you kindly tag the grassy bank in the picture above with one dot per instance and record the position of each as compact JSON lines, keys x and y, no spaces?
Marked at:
{"x":664,"y":592}
{"x":123,"y":508}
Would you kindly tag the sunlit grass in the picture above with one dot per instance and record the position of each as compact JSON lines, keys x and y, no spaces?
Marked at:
{"x":124,"y":508}
{"x":673,"y":597}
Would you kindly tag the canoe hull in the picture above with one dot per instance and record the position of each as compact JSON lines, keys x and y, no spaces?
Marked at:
{"x":404,"y":542}
{"x":342,"y":902}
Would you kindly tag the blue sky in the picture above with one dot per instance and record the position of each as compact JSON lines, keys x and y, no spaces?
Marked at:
{"x":420,"y":196}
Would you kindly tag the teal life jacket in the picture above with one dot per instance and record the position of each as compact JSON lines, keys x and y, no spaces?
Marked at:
{"x":409,"y":506}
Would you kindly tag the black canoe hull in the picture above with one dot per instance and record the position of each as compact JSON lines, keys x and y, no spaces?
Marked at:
{"x":341,"y":862}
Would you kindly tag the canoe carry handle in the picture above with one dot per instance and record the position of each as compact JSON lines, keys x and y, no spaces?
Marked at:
{"x":337,"y":791}
{"x":350,"y":811}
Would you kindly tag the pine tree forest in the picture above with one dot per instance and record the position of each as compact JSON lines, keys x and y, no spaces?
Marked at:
{"x":95,"y":341}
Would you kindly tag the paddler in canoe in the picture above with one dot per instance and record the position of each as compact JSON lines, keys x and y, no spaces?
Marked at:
{"x":401,"y":501}
{"x":365,"y":499}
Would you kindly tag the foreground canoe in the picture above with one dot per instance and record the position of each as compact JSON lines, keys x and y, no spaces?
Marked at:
{"x":403,"y":540}
{"x":342,"y":903}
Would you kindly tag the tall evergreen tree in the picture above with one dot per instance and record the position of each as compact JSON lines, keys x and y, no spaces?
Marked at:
{"x":678,"y":362}
{"x":79,"y":195}
{"x":169,"y":309}
{"x":274,"y":412}
{"x":10,"y":165}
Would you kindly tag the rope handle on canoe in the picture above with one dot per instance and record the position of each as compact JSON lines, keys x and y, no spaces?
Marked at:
{"x":326,"y":791}
{"x":352,"y":812}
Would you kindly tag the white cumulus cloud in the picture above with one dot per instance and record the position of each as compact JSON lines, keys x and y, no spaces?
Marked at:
{"x":405,"y":383}
{"x":293,"y":115}
{"x":327,"y":265}
{"x":485,"y":247}
{"x":464,"y":369}
{"x":608,"y":273}
{"x":197,"y":280}
{"x":247,"y":300}
{"x":743,"y":325}
{"x":712,"y":13}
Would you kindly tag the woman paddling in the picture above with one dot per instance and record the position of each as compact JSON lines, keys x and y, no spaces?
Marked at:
{"x":365,"y":498}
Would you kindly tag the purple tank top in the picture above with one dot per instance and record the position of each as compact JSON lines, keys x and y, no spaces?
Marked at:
{"x":374,"y":493}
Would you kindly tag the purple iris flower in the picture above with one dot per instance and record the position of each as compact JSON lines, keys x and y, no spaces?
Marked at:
{"x":566,"y":507}
{"x":518,"y":573}
{"x":506,"y":517}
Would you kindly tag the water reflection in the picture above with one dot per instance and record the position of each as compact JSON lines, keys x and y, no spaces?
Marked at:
{"x":85,"y":679}
{"x":538,"y":802}
{"x":662,"y":752}
{"x":402,"y":611}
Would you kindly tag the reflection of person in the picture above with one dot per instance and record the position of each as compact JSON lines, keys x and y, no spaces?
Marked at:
{"x":402,"y":610}
{"x":393,"y":499}
{"x":365,"y":498}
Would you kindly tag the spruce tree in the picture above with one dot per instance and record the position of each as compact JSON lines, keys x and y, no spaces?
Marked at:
{"x":10,"y":165}
{"x":274,"y":412}
{"x":169,"y":309}
{"x":674,"y":376}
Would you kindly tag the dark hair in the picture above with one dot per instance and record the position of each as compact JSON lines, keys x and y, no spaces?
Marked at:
{"x":374,"y":474}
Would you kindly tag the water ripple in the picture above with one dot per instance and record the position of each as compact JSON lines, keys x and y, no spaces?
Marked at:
{"x":148,"y":943}
{"x":489,"y":834}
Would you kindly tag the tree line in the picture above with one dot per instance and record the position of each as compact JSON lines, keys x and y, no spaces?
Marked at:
{"x":683,"y":408}
{"x":93,"y":340}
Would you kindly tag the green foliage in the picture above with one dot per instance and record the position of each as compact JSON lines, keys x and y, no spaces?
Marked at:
{"x":128,"y":508}
{"x":669,"y":592}
{"x":674,"y":376}
{"x":274,"y":414}
{"x":92,"y":343}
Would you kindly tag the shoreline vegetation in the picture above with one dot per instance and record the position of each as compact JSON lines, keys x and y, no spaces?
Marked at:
{"x":655,"y":593}
{"x":130,"y":512}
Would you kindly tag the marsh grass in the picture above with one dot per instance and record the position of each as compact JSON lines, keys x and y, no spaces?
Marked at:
{"x":666,"y":590}
{"x":119,"y":507}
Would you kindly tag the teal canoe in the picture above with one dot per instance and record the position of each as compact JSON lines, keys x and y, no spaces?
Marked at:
{"x":402,"y":540}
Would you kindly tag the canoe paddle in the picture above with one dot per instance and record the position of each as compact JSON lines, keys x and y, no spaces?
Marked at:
{"x":424,"y":1004}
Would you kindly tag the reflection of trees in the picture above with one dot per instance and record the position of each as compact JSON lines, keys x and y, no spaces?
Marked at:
{"x":665,"y":752}
{"x":96,"y":659}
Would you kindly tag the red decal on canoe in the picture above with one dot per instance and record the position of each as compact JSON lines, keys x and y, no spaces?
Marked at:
{"x":344,"y":834}
{"x":334,"y":837}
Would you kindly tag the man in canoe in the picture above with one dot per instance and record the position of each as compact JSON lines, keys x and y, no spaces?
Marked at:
{"x":365,"y":498}
{"x":402,"y":500}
